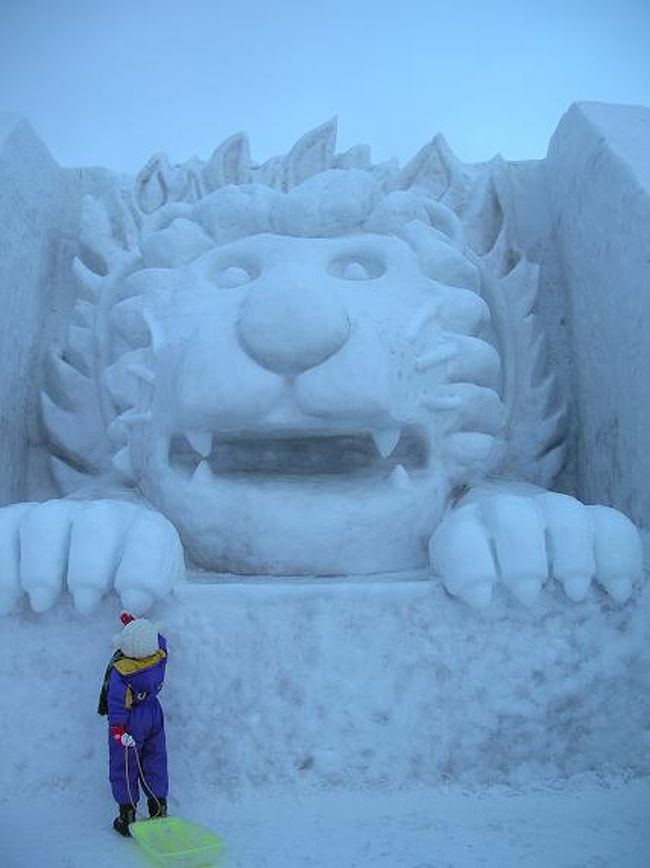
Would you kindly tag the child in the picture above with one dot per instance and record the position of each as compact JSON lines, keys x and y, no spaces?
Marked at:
{"x":136,"y":722}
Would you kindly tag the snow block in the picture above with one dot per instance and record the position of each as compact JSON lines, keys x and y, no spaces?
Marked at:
{"x":37,"y":219}
{"x":598,"y":177}
{"x":343,"y":686}
{"x":387,"y":684}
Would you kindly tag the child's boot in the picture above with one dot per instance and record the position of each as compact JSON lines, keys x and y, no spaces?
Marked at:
{"x":157,"y":807}
{"x":121,"y":823}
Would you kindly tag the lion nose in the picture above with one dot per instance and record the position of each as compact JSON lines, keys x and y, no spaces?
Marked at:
{"x":289,"y":329}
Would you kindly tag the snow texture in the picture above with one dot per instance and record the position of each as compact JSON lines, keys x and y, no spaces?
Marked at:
{"x":343,"y":685}
{"x":585,"y":823}
{"x":598,"y":175}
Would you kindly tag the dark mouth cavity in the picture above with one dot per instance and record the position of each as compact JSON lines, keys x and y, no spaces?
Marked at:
{"x":300,"y":454}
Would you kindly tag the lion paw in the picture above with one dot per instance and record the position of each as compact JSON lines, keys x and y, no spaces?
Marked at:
{"x":522,"y":540}
{"x":89,"y":547}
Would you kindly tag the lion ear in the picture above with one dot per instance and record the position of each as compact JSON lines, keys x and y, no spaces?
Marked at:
{"x":229,"y":164}
{"x":436,"y":171}
{"x":311,"y":154}
{"x":152,"y":184}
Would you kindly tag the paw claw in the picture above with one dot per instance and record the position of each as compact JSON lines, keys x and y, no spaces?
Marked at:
{"x":42,"y":598}
{"x":577,"y":588}
{"x":520,"y":538}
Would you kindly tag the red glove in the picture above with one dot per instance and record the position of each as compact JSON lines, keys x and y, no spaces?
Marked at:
{"x":126,"y":618}
{"x":120,"y":734}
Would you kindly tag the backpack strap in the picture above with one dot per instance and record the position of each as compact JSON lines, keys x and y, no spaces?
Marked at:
{"x":102,"y":705}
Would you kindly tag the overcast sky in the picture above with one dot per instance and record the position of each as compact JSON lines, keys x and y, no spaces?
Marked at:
{"x":109,"y":82}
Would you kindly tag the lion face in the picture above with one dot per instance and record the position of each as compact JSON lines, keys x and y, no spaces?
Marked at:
{"x":300,"y":361}
{"x":301,"y":408}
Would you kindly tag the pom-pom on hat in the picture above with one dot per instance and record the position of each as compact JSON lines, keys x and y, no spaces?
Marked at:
{"x":139,"y":638}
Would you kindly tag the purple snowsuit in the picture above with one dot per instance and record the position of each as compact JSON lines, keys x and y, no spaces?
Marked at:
{"x":133,"y":703}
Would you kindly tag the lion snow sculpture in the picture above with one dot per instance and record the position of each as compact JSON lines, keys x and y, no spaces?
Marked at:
{"x":315,"y":366}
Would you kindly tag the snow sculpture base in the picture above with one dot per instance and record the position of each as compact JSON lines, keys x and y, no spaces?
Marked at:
{"x":394,"y":683}
{"x":345,"y":685}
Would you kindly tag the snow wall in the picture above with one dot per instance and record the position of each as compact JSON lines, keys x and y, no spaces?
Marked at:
{"x":39,"y":220}
{"x":598,"y":178}
{"x":339,"y":686}
{"x":375,"y":684}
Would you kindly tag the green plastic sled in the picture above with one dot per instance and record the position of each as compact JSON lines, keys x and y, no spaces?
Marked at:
{"x":177,"y":843}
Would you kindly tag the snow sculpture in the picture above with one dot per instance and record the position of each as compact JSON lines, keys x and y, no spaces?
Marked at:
{"x":315,"y":366}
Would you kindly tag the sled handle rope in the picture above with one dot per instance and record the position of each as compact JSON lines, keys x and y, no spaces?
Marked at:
{"x":142,"y":778}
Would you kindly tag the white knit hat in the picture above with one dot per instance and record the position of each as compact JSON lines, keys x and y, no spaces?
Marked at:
{"x":139,"y":638}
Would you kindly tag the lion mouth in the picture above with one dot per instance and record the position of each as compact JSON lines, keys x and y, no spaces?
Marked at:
{"x":300,"y":453}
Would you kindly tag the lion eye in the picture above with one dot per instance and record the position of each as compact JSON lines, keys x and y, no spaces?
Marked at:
{"x":355,"y":271}
{"x":356,"y":268}
{"x":233,"y":276}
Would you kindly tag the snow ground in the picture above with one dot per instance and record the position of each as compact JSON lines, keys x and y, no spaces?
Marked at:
{"x":585,"y":822}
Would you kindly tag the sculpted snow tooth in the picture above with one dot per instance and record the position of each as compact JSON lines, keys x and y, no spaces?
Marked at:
{"x":202,"y":474}
{"x":200,"y":441}
{"x":400,"y":478}
{"x":386,"y":440}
